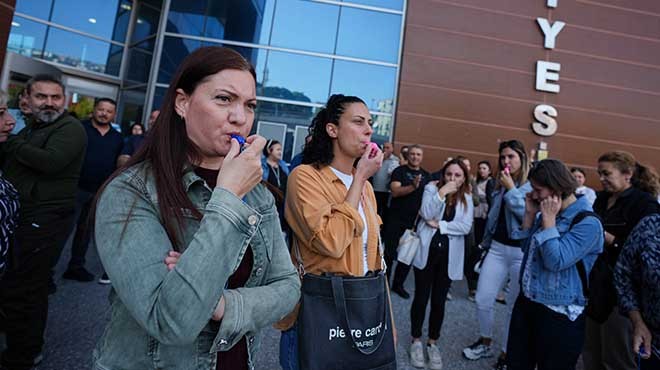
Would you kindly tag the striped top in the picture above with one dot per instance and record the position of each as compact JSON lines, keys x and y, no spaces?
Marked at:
{"x":8,"y":218}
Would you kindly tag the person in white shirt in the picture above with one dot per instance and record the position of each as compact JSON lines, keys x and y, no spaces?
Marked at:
{"x":381,"y":180}
{"x":582,"y":189}
{"x":446,"y":214}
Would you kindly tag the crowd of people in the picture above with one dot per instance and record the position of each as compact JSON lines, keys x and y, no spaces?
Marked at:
{"x":207,"y":237}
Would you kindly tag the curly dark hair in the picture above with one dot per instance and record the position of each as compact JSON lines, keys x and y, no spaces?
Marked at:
{"x":318,"y":151}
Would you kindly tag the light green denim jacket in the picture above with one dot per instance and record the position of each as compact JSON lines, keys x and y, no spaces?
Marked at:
{"x":161,"y":319}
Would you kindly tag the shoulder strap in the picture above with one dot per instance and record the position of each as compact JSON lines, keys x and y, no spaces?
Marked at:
{"x":582,"y":270}
{"x":379,"y":248}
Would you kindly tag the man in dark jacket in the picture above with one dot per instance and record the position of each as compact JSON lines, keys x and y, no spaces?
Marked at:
{"x":103,"y":148}
{"x":43,"y":162}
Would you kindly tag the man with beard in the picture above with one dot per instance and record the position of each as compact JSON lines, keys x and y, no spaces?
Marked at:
{"x":43,"y":162}
{"x":407,"y":188}
{"x":104,"y":144}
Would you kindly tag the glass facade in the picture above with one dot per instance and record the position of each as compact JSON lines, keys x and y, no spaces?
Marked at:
{"x":88,"y":35}
{"x":303,"y":50}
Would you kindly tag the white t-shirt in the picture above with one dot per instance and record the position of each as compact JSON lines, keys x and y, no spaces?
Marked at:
{"x":348,"y":180}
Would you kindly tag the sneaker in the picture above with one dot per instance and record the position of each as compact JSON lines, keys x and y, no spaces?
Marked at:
{"x":435,"y":360}
{"x":401,"y":292}
{"x":477,"y":350}
{"x":472,"y":296}
{"x":78,"y":274}
{"x":449,"y":297}
{"x":417,"y":354}
{"x":501,"y":298}
{"x":105,"y":280}
{"x":501,"y":364}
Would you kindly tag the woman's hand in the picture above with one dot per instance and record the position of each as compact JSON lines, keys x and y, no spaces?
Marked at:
{"x":172,"y":259}
{"x":432,"y":224}
{"x":447,"y":189}
{"x":641,"y":335}
{"x":609,"y":238}
{"x":366,"y":166}
{"x":241,"y":172}
{"x":550,"y":207}
{"x":531,"y":209}
{"x":506,"y":180}
{"x":219,"y":312}
{"x":531,"y":205}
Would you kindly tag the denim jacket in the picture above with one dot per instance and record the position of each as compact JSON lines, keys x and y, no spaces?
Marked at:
{"x":554,"y":278}
{"x":514,"y":201}
{"x":162,"y":319}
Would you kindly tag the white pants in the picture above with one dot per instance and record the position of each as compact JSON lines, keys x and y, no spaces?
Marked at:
{"x":501,"y":264}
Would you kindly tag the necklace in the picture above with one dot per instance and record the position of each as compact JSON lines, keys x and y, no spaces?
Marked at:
{"x":276,"y":170}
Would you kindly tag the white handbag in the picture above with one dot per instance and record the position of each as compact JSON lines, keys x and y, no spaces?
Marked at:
{"x":409,"y":245}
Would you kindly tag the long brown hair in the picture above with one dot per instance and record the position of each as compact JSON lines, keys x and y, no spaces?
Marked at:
{"x":521,"y":176}
{"x":167,"y":146}
{"x":463,"y":189}
{"x":644,"y":177}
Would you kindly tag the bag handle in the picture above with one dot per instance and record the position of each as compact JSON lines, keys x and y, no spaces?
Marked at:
{"x":340,"y":306}
{"x":296,"y":252}
{"x":381,"y":250}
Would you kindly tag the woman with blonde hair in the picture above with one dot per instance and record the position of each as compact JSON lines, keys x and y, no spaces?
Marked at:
{"x":504,"y":256}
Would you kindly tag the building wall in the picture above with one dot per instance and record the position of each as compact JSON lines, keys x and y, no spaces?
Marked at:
{"x":468,"y":78}
{"x":6,"y":14}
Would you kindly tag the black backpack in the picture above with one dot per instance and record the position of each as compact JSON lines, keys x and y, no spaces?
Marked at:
{"x":598,"y":287}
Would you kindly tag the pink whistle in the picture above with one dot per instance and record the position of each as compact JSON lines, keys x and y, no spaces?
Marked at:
{"x":373,"y":147}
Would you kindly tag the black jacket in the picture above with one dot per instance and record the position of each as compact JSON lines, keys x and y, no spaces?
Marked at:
{"x":631,"y":206}
{"x":43,"y":162}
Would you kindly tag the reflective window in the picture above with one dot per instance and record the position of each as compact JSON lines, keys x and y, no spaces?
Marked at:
{"x":139,"y":62}
{"x":239,"y":20}
{"x":382,"y":128}
{"x":390,"y":4}
{"x":132,"y":102}
{"x":26,"y":37}
{"x":369,"y":35}
{"x":187,"y":17}
{"x":288,"y":114}
{"x":82,"y":52}
{"x":159,"y":96}
{"x":236,"y":20}
{"x":372,"y":83}
{"x":114,"y":60}
{"x":39,"y":9}
{"x":104,"y":18}
{"x":305,"y":25}
{"x":295,"y":77}
{"x":146,"y":23}
{"x":174,"y":51}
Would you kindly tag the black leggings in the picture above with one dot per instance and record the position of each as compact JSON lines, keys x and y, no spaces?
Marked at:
{"x":432,"y":281}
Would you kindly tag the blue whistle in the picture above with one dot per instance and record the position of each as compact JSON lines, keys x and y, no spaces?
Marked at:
{"x":239,"y":138}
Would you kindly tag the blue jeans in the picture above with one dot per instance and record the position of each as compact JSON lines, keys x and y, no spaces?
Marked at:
{"x":289,"y":349}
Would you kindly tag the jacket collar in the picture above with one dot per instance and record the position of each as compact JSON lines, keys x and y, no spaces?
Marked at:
{"x":190,"y":177}
{"x":329,"y":175}
{"x":580,"y":204}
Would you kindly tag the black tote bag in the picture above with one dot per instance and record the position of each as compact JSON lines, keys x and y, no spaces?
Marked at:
{"x":345,"y":323}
